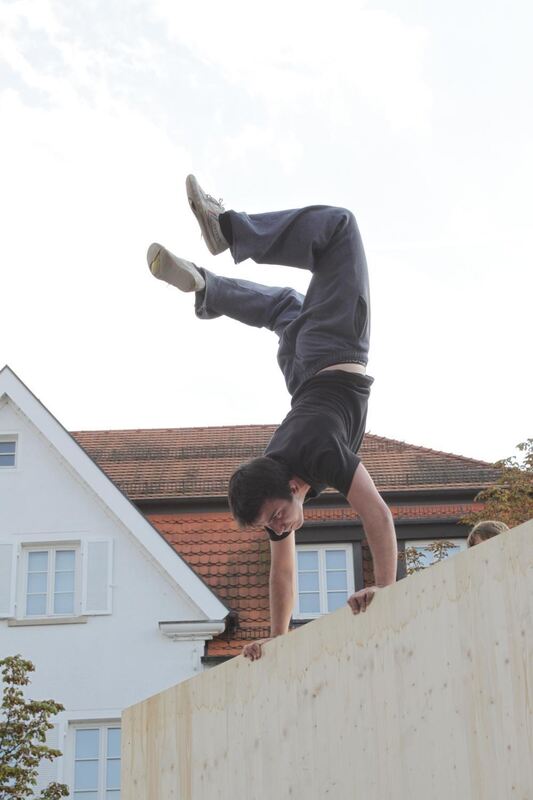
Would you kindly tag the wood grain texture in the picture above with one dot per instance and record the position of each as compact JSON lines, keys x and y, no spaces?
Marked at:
{"x":427,"y":695}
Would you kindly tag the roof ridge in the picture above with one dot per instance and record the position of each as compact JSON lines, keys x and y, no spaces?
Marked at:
{"x":253,"y":426}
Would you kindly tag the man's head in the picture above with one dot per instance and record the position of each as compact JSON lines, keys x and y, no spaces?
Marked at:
{"x":485,"y":530}
{"x":264,"y":492}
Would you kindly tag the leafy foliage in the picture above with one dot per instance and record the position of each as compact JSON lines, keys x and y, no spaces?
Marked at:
{"x":414,"y":557}
{"x":23,"y":727}
{"x":510,"y":499}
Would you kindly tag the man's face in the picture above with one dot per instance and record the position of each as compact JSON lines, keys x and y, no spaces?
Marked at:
{"x":281,"y":515}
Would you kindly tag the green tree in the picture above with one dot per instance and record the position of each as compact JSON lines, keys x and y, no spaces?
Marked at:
{"x":23,"y":727}
{"x":510,"y":499}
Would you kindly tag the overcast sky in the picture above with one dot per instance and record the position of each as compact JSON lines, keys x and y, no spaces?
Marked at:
{"x":417,"y":116}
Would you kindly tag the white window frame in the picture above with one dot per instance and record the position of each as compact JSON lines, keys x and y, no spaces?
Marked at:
{"x":51,"y":548}
{"x":10,"y":437}
{"x":322,"y":588}
{"x":103,"y":727}
{"x":422,"y":543}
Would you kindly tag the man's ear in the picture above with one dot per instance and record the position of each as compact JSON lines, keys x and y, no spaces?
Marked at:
{"x":293,"y":486}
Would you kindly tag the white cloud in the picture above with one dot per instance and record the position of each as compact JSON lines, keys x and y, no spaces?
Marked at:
{"x":36,"y":14}
{"x":312,"y":54}
{"x":253,"y":140}
{"x":88,"y":181}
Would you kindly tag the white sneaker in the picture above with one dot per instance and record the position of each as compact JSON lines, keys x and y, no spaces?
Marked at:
{"x":165,"y":266}
{"x":206,"y":210}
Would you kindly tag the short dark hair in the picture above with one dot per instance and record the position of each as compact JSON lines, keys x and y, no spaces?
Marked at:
{"x":254,"y":482}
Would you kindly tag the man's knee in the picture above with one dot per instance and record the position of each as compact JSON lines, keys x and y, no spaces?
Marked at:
{"x":348,"y":217}
{"x":343,"y":217}
{"x":287,"y":307}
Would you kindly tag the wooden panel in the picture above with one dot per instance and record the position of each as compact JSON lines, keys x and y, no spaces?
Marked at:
{"x":427,"y":695}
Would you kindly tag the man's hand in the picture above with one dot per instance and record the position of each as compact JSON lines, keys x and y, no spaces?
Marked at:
{"x":362,"y":599}
{"x":253,"y":651}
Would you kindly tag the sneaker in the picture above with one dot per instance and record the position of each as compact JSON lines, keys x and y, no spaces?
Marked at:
{"x":165,"y":266}
{"x":206,"y":210}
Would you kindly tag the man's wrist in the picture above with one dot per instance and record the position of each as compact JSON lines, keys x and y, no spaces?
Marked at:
{"x":278,"y":630}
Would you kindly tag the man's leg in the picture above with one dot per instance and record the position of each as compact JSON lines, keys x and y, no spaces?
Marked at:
{"x":269,"y":307}
{"x":334,"y":323}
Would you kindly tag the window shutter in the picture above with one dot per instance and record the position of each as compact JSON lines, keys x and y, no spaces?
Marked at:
{"x":8,"y":571}
{"x":97,"y":571}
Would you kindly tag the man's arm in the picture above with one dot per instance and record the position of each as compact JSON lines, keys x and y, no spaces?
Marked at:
{"x":378,"y":524}
{"x":281,"y":584}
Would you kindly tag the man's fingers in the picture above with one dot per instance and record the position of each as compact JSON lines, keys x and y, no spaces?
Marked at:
{"x":252,"y":651}
{"x":353,"y":602}
{"x":367,"y":599}
{"x":361,"y":600}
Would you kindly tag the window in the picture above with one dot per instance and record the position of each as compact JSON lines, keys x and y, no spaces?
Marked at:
{"x":324,"y":579}
{"x":63,"y":580}
{"x":97,"y":763}
{"x":8,"y":451}
{"x":51,"y":581}
{"x":422,"y":553}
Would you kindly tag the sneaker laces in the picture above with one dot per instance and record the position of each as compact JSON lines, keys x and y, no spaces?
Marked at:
{"x":219,"y":202}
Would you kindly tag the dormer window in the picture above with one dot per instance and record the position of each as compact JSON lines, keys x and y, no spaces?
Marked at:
{"x":8,"y":452}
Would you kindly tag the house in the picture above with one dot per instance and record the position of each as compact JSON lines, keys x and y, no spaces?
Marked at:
{"x":90,"y":592}
{"x":122,"y":572}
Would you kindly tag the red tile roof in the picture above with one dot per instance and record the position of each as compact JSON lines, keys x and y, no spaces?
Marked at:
{"x":197,"y":462}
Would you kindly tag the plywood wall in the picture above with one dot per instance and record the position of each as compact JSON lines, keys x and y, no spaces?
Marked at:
{"x":427,"y":695}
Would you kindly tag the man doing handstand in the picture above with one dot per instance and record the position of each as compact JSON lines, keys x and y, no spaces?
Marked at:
{"x":322,"y":353}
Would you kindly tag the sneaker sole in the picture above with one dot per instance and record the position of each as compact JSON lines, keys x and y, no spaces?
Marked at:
{"x":194,"y":195}
{"x":171,"y":269}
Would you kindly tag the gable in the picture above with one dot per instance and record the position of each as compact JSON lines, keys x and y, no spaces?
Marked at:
{"x":68,"y":490}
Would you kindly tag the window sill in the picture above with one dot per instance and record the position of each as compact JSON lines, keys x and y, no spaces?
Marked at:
{"x":21,"y":623}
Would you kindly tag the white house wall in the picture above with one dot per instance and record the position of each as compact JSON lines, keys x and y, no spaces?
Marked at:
{"x":111,"y":661}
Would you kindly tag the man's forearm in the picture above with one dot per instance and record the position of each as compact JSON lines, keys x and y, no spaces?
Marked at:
{"x":377,"y":521}
{"x":381,"y":539}
{"x":281,"y":603}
